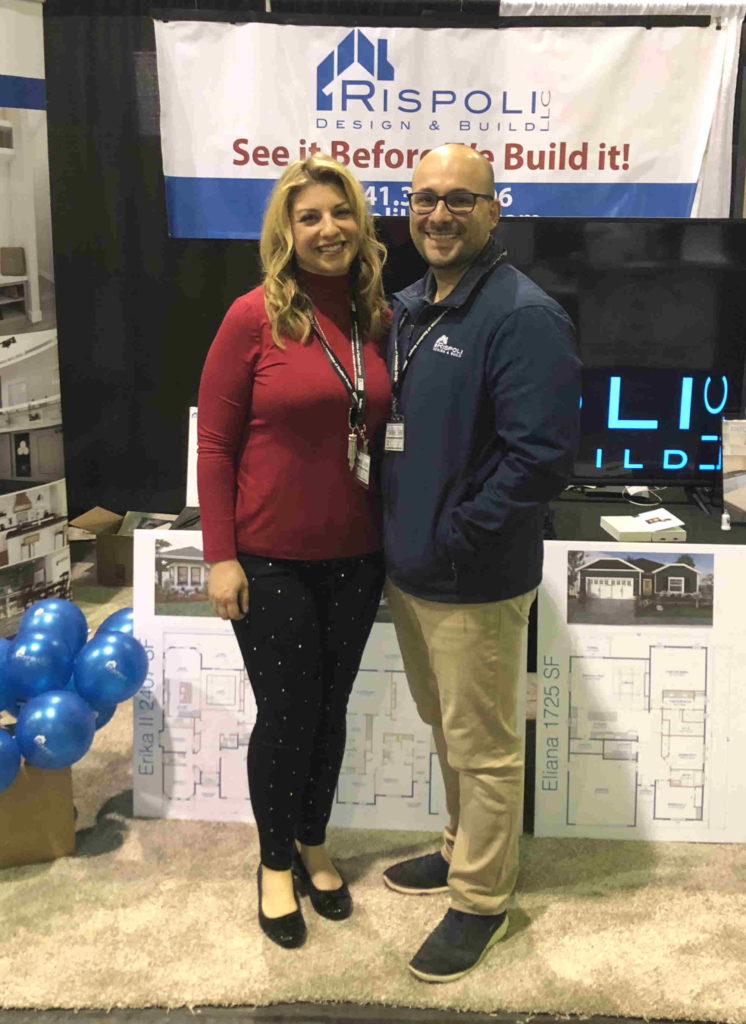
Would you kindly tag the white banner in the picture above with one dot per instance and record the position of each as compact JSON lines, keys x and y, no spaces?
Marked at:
{"x":577,"y":121}
{"x":34,"y":555}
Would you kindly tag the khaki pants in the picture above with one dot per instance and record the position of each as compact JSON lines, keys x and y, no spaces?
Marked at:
{"x":466,"y":666}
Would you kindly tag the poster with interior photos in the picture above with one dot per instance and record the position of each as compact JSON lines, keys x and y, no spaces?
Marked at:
{"x":34,"y":552}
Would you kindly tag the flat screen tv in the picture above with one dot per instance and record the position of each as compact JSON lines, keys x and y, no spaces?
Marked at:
{"x":660,"y":312}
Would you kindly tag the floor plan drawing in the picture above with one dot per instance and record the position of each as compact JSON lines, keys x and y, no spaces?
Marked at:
{"x":196,"y":716}
{"x":637,"y":735}
{"x":208,"y":714}
{"x":640,"y":719}
{"x":390,"y":771}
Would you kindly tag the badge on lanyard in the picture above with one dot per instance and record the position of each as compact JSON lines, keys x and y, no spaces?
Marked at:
{"x":394,"y":440}
{"x":362,"y":468}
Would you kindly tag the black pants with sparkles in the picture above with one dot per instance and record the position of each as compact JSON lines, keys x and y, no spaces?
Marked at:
{"x":301,"y":642}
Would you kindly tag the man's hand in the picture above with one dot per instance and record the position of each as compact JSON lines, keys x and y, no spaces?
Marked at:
{"x":228,"y":589}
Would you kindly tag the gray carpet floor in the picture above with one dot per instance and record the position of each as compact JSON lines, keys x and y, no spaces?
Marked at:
{"x":162,"y":914}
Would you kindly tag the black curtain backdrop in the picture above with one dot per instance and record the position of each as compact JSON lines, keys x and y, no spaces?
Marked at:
{"x":136,"y":310}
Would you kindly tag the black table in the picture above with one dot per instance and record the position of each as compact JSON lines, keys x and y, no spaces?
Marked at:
{"x":576,"y":516}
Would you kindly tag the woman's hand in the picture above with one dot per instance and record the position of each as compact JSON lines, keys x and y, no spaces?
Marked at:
{"x":228,"y":589}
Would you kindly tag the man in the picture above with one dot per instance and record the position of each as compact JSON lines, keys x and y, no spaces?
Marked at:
{"x":482,"y":432}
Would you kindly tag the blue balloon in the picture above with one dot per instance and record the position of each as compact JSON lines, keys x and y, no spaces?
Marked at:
{"x":55,"y":729}
{"x":6,"y":697}
{"x":110,"y":668}
{"x":119,"y":622}
{"x":55,"y":615}
{"x":37,"y":662}
{"x":103,"y":715}
{"x":10,"y":759}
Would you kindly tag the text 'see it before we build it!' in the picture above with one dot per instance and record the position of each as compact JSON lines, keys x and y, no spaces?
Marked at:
{"x":512,"y":156}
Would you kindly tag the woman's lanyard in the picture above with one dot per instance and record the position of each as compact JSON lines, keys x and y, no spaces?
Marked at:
{"x":357,"y":457}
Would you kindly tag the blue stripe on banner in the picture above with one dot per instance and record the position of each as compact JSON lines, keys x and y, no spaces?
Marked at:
{"x":234,"y":207}
{"x":23,"y":93}
{"x":216,"y":207}
{"x":600,"y":200}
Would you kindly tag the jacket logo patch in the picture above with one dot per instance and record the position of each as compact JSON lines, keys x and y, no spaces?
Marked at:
{"x":441,"y":345}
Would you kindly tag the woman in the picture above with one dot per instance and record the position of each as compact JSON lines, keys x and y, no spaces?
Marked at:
{"x":293,"y":388}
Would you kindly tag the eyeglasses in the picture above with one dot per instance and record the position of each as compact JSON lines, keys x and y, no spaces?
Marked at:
{"x":456,"y":202}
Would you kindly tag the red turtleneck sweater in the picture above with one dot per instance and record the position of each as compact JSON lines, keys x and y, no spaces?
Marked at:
{"x":272,"y":436}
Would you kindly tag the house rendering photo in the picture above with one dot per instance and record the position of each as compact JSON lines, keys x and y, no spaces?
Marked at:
{"x":629,"y":589}
{"x":180,"y":579}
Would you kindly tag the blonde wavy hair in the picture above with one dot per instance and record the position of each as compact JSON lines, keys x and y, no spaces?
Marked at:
{"x":288,"y":307}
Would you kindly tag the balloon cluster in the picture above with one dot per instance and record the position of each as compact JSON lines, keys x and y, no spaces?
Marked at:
{"x":62,"y":687}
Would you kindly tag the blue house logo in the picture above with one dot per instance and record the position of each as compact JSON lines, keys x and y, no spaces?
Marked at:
{"x":355,"y":48}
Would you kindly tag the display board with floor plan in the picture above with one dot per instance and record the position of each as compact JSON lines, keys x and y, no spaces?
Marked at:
{"x":640,"y":716}
{"x":194,"y":714}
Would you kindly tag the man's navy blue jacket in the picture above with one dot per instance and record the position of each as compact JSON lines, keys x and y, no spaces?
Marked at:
{"x":490,"y":402}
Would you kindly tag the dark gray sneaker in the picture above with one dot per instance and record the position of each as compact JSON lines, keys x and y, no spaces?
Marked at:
{"x":419,"y":876}
{"x":457,"y":945}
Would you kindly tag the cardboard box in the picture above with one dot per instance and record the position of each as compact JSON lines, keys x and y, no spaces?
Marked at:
{"x":113,"y":554}
{"x":37,"y":818}
{"x":114,"y":560}
{"x":113,"y":535}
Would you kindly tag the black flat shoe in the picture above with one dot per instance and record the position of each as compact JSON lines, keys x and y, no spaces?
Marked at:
{"x":334,"y":904}
{"x":288,"y":931}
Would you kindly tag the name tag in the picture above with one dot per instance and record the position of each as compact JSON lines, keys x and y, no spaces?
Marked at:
{"x":394,"y":441}
{"x":362,"y":468}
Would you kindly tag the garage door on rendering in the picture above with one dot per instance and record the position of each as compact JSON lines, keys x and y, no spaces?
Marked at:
{"x":610,"y":587}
